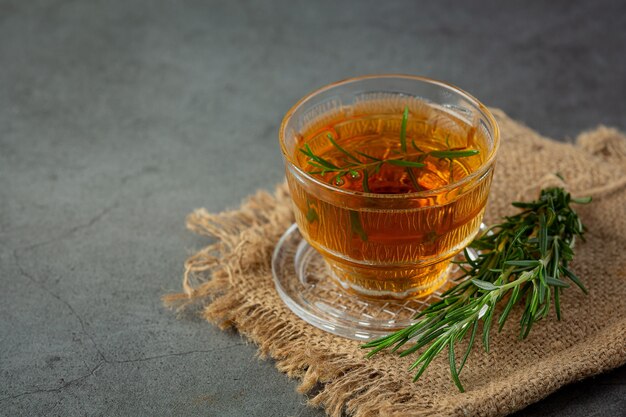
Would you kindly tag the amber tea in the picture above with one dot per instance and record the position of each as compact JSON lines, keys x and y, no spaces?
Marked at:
{"x":379,"y":147}
{"x":389,"y":176}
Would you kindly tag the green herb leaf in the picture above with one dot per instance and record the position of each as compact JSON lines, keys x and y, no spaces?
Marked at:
{"x":413,"y":178}
{"x":405,"y":120}
{"x":556,"y":282}
{"x":311,"y":215}
{"x":332,"y":141}
{"x":484,"y":285}
{"x":454,"y":154}
{"x":366,"y":179}
{"x":527,"y":263}
{"x":356,"y":226}
{"x":574,"y":279}
{"x":455,"y":375}
{"x":368,"y":156}
{"x":317,"y":159}
{"x":417,"y":148}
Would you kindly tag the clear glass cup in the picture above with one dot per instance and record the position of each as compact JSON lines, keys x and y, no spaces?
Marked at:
{"x":389,"y":246}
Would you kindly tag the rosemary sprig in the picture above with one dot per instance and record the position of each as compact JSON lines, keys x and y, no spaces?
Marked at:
{"x":522,"y":261}
{"x":353,"y":168}
{"x":360,"y":164}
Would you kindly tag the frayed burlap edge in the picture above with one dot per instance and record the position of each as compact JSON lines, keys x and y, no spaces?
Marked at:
{"x":344,"y":383}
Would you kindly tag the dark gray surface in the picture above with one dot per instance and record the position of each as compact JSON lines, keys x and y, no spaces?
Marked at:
{"x":119,"y":118}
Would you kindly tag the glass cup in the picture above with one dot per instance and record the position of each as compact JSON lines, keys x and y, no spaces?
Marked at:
{"x":389,"y":245}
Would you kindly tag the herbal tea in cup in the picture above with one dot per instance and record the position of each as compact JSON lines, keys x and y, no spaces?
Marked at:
{"x":389,"y":177}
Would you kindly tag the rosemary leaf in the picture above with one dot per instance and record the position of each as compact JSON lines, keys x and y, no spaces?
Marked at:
{"x":366,"y":179}
{"x":454,"y":154}
{"x":405,"y":120}
{"x":336,"y":145}
{"x":356,"y":226}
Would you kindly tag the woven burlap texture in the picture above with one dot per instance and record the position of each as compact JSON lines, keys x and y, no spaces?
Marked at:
{"x":231,"y":279}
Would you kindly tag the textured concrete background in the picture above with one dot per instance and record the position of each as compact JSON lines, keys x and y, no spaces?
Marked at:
{"x":119,"y":118}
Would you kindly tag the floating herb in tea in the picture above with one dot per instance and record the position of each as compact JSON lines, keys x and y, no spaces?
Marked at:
{"x":362,"y":166}
{"x":522,"y":262}
{"x":391,"y":146}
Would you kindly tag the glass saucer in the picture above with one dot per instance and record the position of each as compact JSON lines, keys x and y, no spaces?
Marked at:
{"x":303,"y":282}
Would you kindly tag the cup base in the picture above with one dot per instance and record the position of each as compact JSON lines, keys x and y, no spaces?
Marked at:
{"x":306,"y":285}
{"x":419,"y":291}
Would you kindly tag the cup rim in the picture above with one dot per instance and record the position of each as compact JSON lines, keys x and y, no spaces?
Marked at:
{"x":478,"y":173}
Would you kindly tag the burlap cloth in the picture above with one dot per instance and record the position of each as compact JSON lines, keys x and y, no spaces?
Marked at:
{"x":232,"y":281}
